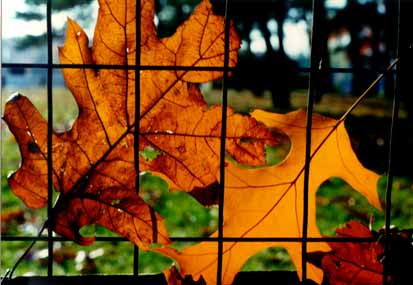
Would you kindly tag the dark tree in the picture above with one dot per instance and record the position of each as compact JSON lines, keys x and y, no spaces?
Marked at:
{"x":171,"y":13}
{"x":406,"y":58}
{"x":273,"y":70}
{"x":367,"y":28}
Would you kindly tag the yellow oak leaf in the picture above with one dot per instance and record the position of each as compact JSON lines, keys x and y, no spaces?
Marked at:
{"x":268,"y":202}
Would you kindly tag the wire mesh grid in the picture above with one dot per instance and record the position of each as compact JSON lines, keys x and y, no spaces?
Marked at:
{"x":314,"y":69}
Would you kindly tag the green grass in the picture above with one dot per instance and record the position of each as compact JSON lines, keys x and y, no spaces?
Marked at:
{"x":184,"y":216}
{"x":338,"y":203}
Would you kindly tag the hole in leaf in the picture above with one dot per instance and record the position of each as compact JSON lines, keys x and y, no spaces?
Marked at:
{"x":96,"y":230}
{"x":273,"y":154}
{"x":115,"y":202}
{"x":337,"y":203}
{"x":189,"y":219}
{"x":33,"y":147}
{"x":151,"y":188}
{"x":276,"y":154}
{"x":65,"y":109}
{"x":149,"y":153}
{"x":184,"y":216}
{"x":88,"y":230}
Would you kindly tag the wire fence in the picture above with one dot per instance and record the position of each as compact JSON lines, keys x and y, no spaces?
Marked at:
{"x":314,"y":70}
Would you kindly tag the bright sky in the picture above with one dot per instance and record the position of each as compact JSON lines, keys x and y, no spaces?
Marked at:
{"x":296,"y":40}
{"x":12,"y":27}
{"x":336,"y":3}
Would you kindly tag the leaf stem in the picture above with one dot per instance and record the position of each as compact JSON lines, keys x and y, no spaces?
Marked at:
{"x":366,"y":92}
{"x":355,"y":104}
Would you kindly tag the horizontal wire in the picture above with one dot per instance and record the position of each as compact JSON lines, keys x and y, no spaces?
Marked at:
{"x":242,"y":277}
{"x":211,"y":239}
{"x":159,"y":67}
{"x":115,"y":66}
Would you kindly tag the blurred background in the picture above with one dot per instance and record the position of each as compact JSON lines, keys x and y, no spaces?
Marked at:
{"x":361,"y":35}
{"x":356,"y":39}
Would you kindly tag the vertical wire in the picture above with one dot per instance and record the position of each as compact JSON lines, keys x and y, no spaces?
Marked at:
{"x":8,"y":271}
{"x":137,"y":118}
{"x":392,"y":144}
{"x":222,"y":145}
{"x":315,"y":64}
{"x":49,"y":138}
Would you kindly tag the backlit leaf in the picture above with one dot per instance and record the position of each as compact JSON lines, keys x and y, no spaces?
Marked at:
{"x":268,"y":202}
{"x":93,"y":163}
{"x":354,"y":263}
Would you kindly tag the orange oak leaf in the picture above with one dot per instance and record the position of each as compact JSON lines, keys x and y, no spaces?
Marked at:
{"x":268,"y":202}
{"x":93,"y":163}
{"x":354,"y":263}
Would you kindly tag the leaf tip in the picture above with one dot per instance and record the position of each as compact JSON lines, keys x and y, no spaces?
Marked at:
{"x":69,"y":20}
{"x":74,"y":27}
{"x":377,"y":204}
{"x":75,"y":234}
{"x":371,"y":192}
{"x":14,"y":97}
